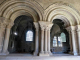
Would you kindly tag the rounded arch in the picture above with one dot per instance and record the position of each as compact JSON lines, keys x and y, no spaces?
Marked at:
{"x":63,"y":18}
{"x":62,"y":9}
{"x":16,"y":8}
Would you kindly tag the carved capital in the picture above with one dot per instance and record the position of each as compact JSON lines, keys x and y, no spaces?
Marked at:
{"x":45,"y":25}
{"x":42,"y":25}
{"x":36,"y":26}
{"x":78,"y":28}
{"x":71,"y":28}
{"x":3,"y":22}
{"x":48,"y":25}
{"x":10,"y":25}
{"x":68,"y":29}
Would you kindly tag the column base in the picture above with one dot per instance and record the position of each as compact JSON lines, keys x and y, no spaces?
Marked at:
{"x":35,"y":53}
{"x":44,"y":54}
{"x":5,"y":53}
{"x":50,"y":53}
{"x":75,"y":53}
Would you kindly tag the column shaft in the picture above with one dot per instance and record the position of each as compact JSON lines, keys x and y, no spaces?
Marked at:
{"x":5,"y":47}
{"x":70,"y":38}
{"x":78,"y":32}
{"x":36,"y":43}
{"x":45,"y":41}
{"x":48,"y":43}
{"x":74,"y":38}
{"x":42,"y":41}
{"x":1,"y":38}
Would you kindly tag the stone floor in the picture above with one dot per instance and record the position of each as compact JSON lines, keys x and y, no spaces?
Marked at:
{"x":31,"y":57}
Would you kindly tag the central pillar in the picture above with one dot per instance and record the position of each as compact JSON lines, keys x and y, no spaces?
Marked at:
{"x":45,"y":38}
{"x":42,"y":42}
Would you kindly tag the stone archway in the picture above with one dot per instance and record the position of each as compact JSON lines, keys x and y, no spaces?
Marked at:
{"x":69,"y":16}
{"x":59,"y":42}
{"x":11,"y":10}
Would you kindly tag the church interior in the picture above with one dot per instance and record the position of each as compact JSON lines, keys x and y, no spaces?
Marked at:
{"x":39,"y":30}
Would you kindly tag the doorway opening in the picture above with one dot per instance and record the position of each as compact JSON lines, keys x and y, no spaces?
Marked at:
{"x":59,"y":38}
{"x":22,"y":36}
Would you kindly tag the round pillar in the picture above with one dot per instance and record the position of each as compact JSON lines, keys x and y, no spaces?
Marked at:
{"x":45,"y":41}
{"x":74,"y":38}
{"x":70,"y":38}
{"x":5,"y":47}
{"x":78,"y":33}
{"x":36,"y":38}
{"x":42,"y":41}
{"x":2,"y":31}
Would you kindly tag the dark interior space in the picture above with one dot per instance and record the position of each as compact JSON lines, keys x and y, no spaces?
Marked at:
{"x":19,"y":41}
{"x":59,"y":38}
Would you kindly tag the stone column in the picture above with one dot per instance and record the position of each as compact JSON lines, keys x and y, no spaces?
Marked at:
{"x":42,"y":38}
{"x":36,"y":38}
{"x":45,"y":41}
{"x":70,"y":38}
{"x":3,"y":23}
{"x":42,"y":41}
{"x":45,"y":45}
{"x":78,"y":33}
{"x":74,"y":38}
{"x":48,"y":38}
{"x":5,"y":47}
{"x":2,"y":31}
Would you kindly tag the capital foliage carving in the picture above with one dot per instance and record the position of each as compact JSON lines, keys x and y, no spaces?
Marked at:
{"x":45,"y":25}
